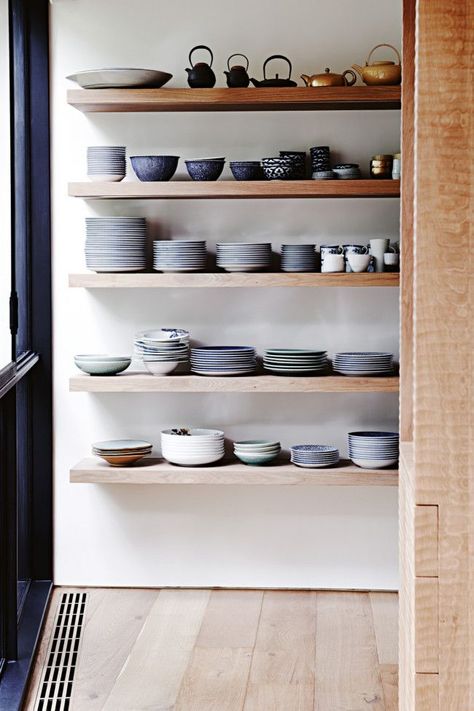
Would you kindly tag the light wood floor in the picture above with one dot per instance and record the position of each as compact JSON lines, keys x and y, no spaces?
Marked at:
{"x":223,"y":650}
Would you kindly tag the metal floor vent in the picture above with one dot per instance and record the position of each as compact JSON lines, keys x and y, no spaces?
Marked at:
{"x":55,"y":689}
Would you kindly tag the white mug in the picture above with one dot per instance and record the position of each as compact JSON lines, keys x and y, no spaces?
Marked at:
{"x":378,"y":247}
{"x":391,"y":259}
{"x":359,"y":262}
{"x":333,"y":263}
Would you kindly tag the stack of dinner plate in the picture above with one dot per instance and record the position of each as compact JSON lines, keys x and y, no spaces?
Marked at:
{"x":223,"y":360}
{"x":298,"y":257}
{"x":122,"y":452}
{"x":314,"y":456}
{"x":192,"y":447}
{"x":106,"y":163}
{"x":179,"y":255}
{"x":115,"y":244}
{"x":244,"y":256}
{"x":373,"y":450}
{"x":363,"y":363}
{"x":162,"y":350}
{"x":294,"y":361}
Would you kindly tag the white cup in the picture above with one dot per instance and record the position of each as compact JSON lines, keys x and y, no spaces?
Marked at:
{"x":358,"y":262}
{"x":333,"y":263}
{"x":391,"y":259}
{"x":378,"y":247}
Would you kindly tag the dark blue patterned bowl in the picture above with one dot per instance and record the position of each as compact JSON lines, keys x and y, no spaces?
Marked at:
{"x":205,"y":169}
{"x":247,"y":170}
{"x":154,"y":168}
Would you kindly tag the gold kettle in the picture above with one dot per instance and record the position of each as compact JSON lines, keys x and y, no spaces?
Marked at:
{"x":384,"y":73}
{"x":330,"y":79}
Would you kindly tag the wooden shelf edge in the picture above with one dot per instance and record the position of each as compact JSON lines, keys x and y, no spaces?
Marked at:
{"x":144,"y":383}
{"x":224,"y":99}
{"x":235,"y":189}
{"x":242,"y":280}
{"x":157,"y":471}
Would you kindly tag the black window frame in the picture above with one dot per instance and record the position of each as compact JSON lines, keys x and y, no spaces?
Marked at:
{"x":26,"y":383}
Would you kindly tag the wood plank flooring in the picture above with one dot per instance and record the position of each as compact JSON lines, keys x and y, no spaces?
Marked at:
{"x":232,"y":650}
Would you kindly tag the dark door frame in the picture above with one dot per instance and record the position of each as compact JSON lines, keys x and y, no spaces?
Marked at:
{"x":26,"y":384}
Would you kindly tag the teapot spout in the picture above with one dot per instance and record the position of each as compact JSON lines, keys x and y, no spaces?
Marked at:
{"x":358,"y":69}
{"x":227,"y":74}
{"x":188,"y":70}
{"x":255,"y":82}
{"x":306,"y":79}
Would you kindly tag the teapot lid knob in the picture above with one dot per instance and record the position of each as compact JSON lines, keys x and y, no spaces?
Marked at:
{"x":327,"y":70}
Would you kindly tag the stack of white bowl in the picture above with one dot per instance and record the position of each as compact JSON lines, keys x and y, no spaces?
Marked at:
{"x":257,"y":452}
{"x":106,"y":163}
{"x":359,"y":364}
{"x":179,"y":255}
{"x":244,"y":256}
{"x":373,"y":450}
{"x":298,"y":257}
{"x":162,"y":350}
{"x":192,"y":447}
{"x":116,"y":244}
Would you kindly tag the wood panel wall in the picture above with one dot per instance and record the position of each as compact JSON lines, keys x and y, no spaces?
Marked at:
{"x":437,"y":469}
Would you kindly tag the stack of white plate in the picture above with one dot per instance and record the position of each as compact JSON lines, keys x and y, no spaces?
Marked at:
{"x":122,"y":452}
{"x":179,"y":255}
{"x":192,"y":447}
{"x":116,"y":244}
{"x":162,"y":350}
{"x":363,"y":363}
{"x":257,"y":451}
{"x":294,"y":361}
{"x":373,"y":450}
{"x":298,"y":257}
{"x":223,"y":360}
{"x":106,"y":163}
{"x":314,"y":456}
{"x":244,"y":256}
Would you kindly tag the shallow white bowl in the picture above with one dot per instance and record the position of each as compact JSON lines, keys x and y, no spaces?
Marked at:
{"x":374,"y":463}
{"x":163,"y":367}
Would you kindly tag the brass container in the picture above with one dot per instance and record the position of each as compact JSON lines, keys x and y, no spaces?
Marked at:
{"x":381,"y":166}
{"x":380,"y":73}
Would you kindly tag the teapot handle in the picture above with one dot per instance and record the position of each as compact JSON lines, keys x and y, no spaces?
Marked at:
{"x":352,"y":75}
{"x":384,"y":45}
{"x":277,"y":56}
{"x":200,"y":46}
{"x":238,"y":54}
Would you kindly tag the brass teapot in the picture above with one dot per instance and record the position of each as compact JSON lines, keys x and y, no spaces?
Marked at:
{"x":382,"y":73}
{"x":330,"y":79}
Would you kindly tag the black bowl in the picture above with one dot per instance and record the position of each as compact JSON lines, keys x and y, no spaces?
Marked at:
{"x":247,"y":170}
{"x":154,"y":168}
{"x":205,"y":169}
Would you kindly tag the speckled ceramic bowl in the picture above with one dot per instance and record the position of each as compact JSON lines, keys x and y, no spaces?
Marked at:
{"x":154,"y":168}
{"x":206,"y":168}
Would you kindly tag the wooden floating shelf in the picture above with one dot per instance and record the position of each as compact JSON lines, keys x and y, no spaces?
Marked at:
{"x":143,"y":383}
{"x":157,"y":471}
{"x":220,"y":280}
{"x":236,"y":189}
{"x":224,"y":99}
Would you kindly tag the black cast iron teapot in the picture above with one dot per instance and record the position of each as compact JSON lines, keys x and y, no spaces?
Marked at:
{"x":201,"y":76}
{"x":276,"y":81}
{"x":237,"y":76}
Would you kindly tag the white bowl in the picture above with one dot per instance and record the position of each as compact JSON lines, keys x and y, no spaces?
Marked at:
{"x":105,"y":178}
{"x":191,"y":461}
{"x":358,"y":262}
{"x":163,"y":335}
{"x":374,"y":463}
{"x":163,"y":367}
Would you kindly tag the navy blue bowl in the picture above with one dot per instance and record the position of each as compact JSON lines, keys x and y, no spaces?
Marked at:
{"x":154,"y":168}
{"x":247,"y":170}
{"x":206,"y":169}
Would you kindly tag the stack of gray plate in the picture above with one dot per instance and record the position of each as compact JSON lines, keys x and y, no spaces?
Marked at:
{"x":363,"y":363}
{"x":223,"y":360}
{"x":116,"y":244}
{"x":294,"y":361}
{"x":106,"y":163}
{"x":298,"y":257}
{"x":244,"y":256}
{"x":179,"y":255}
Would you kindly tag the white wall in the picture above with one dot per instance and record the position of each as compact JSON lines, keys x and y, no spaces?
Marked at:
{"x":236,"y":536}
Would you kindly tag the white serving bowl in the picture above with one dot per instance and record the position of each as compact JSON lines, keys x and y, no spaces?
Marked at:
{"x":190,"y":460}
{"x":160,"y":367}
{"x":202,"y":433}
{"x":374,"y":463}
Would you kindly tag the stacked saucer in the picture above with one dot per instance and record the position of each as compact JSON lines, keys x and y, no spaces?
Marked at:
{"x":115,"y":244}
{"x":314,"y":456}
{"x":373,"y":450}
{"x":106,"y":163}
{"x":179,"y":255}
{"x":294,"y":361}
{"x":244,"y":256}
{"x":122,"y":452}
{"x":298,"y":257}
{"x":347,"y":171}
{"x":256,"y":451}
{"x":162,"y":350}
{"x":363,"y":363}
{"x":192,"y":447}
{"x":320,"y":159}
{"x":223,"y":360}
